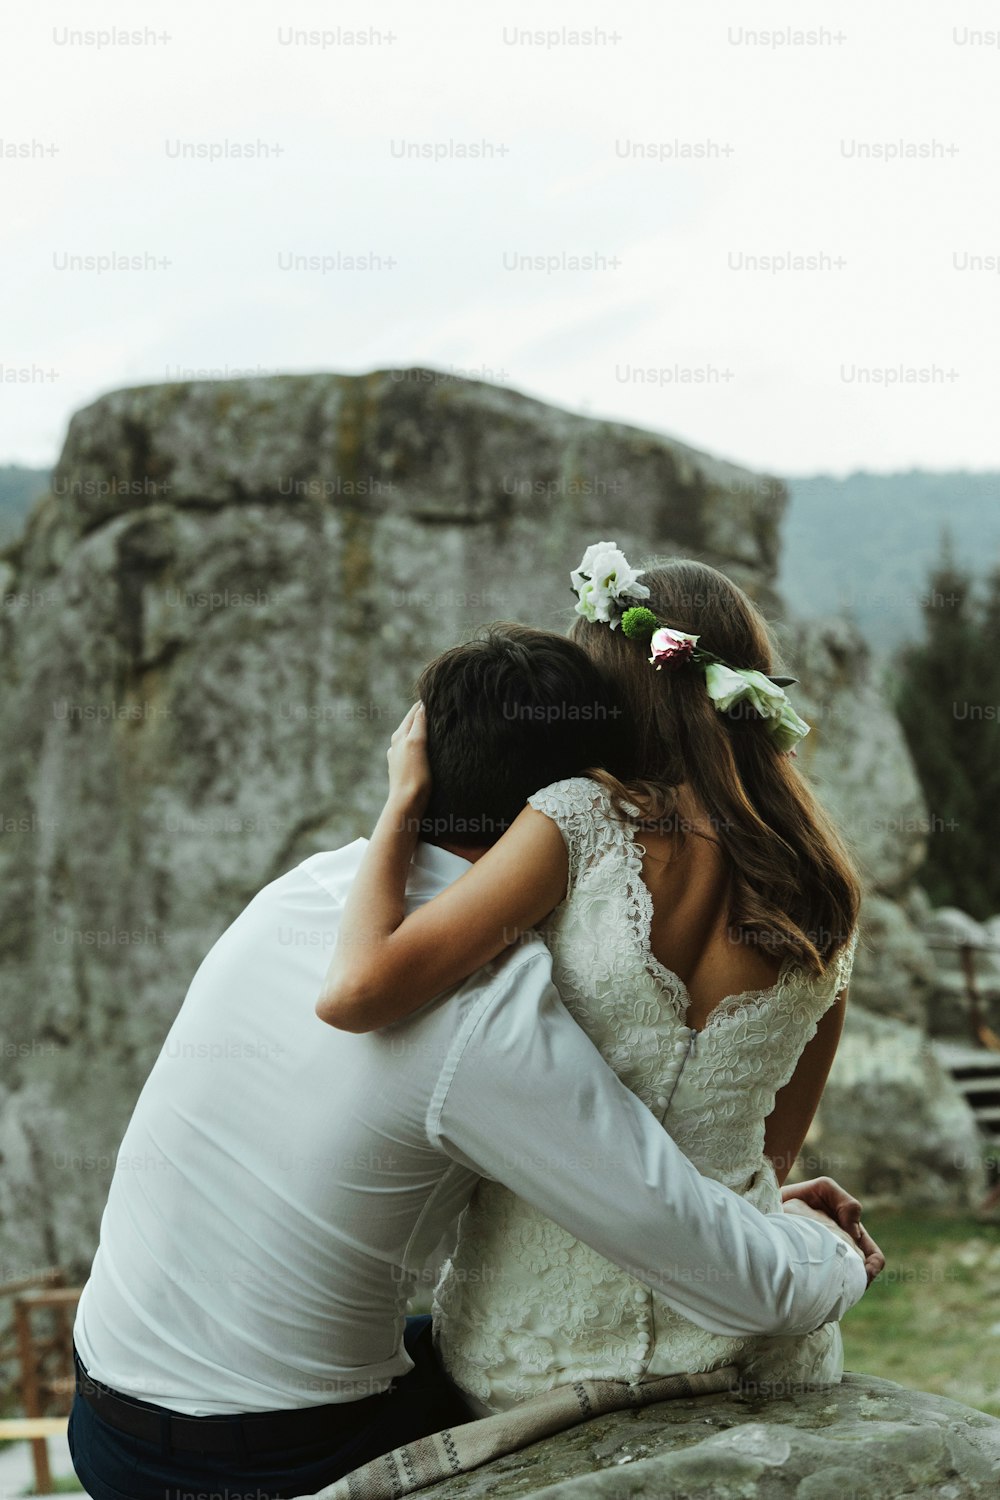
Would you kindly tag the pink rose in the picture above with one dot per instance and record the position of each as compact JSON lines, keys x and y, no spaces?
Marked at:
{"x":671,"y":647}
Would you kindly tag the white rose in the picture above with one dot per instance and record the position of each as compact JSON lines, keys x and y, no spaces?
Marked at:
{"x":603,"y":581}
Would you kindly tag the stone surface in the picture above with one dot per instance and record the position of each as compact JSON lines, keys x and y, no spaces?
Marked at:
{"x":866,"y":1439}
{"x":856,"y":755}
{"x":210,"y":629}
{"x":405,"y":445}
{"x":892,"y":1119}
{"x":894,"y":973}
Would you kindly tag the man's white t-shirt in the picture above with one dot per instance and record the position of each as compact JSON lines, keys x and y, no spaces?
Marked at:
{"x":281,"y":1184}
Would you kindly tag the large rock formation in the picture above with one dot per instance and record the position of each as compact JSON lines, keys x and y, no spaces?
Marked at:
{"x":891,"y":1118}
{"x":209,"y":630}
{"x":866,"y":1439}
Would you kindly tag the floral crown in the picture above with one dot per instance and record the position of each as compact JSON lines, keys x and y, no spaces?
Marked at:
{"x":606,"y":586}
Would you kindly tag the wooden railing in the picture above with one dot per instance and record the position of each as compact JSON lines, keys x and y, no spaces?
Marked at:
{"x":45,"y":1358}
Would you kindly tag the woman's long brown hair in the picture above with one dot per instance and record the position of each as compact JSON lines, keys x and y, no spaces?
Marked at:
{"x":794,"y":890}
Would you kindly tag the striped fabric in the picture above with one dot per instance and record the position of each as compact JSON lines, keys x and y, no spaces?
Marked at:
{"x":458,"y":1449}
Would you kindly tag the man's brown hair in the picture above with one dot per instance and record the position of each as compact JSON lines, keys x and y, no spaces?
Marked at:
{"x":507,"y":714}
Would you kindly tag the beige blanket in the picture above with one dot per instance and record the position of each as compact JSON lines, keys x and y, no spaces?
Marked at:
{"x":457,"y":1449}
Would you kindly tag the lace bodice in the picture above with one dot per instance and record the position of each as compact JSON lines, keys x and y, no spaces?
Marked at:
{"x":521,"y":1305}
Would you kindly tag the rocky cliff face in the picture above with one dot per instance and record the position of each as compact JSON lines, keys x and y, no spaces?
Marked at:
{"x":209,"y":630}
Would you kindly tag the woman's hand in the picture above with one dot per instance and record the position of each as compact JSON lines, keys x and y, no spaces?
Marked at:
{"x":409,"y":768}
{"x":833,"y":1201}
{"x":803,"y":1210}
{"x":376,"y":903}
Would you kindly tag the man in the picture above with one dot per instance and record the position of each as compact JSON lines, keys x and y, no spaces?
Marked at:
{"x":244,"y":1327}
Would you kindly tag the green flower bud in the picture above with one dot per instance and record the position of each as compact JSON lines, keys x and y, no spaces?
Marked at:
{"x":638,"y":623}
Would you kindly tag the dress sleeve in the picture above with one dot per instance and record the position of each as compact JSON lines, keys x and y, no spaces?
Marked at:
{"x":843,"y":964}
{"x":820,"y":994}
{"x":579,"y":808}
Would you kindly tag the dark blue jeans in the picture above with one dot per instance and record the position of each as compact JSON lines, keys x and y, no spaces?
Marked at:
{"x":113,"y":1465}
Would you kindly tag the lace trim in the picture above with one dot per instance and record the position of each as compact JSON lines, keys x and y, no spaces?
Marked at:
{"x":844,"y":962}
{"x":640,"y":915}
{"x":578,"y":799}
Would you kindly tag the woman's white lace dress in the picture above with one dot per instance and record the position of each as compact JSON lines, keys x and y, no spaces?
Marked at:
{"x":521,"y":1305}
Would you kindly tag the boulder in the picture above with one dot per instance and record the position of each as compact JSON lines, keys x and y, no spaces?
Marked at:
{"x":892,"y":1119}
{"x":856,"y":755}
{"x":866,"y":1439}
{"x":407,"y":446}
{"x":893,"y":971}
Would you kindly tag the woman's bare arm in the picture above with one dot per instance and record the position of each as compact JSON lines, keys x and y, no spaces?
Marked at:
{"x":795,"y":1105}
{"x":387,"y":964}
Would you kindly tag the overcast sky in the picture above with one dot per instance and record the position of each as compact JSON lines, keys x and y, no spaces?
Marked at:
{"x":865,"y":137}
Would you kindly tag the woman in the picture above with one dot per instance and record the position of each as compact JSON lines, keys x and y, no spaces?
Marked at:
{"x":701,"y":914}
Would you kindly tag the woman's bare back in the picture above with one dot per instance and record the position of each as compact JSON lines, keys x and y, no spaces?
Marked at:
{"x":688,"y":883}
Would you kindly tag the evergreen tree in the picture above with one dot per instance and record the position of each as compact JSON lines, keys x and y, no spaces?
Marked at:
{"x":948,"y":700}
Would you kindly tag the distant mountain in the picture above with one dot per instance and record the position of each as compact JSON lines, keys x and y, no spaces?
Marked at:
{"x":19,"y":489}
{"x":863,"y":545}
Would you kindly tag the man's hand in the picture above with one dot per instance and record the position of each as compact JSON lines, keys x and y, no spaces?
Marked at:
{"x":834,"y":1202}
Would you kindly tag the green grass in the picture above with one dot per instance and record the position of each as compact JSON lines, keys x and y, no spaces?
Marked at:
{"x":932,"y":1319}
